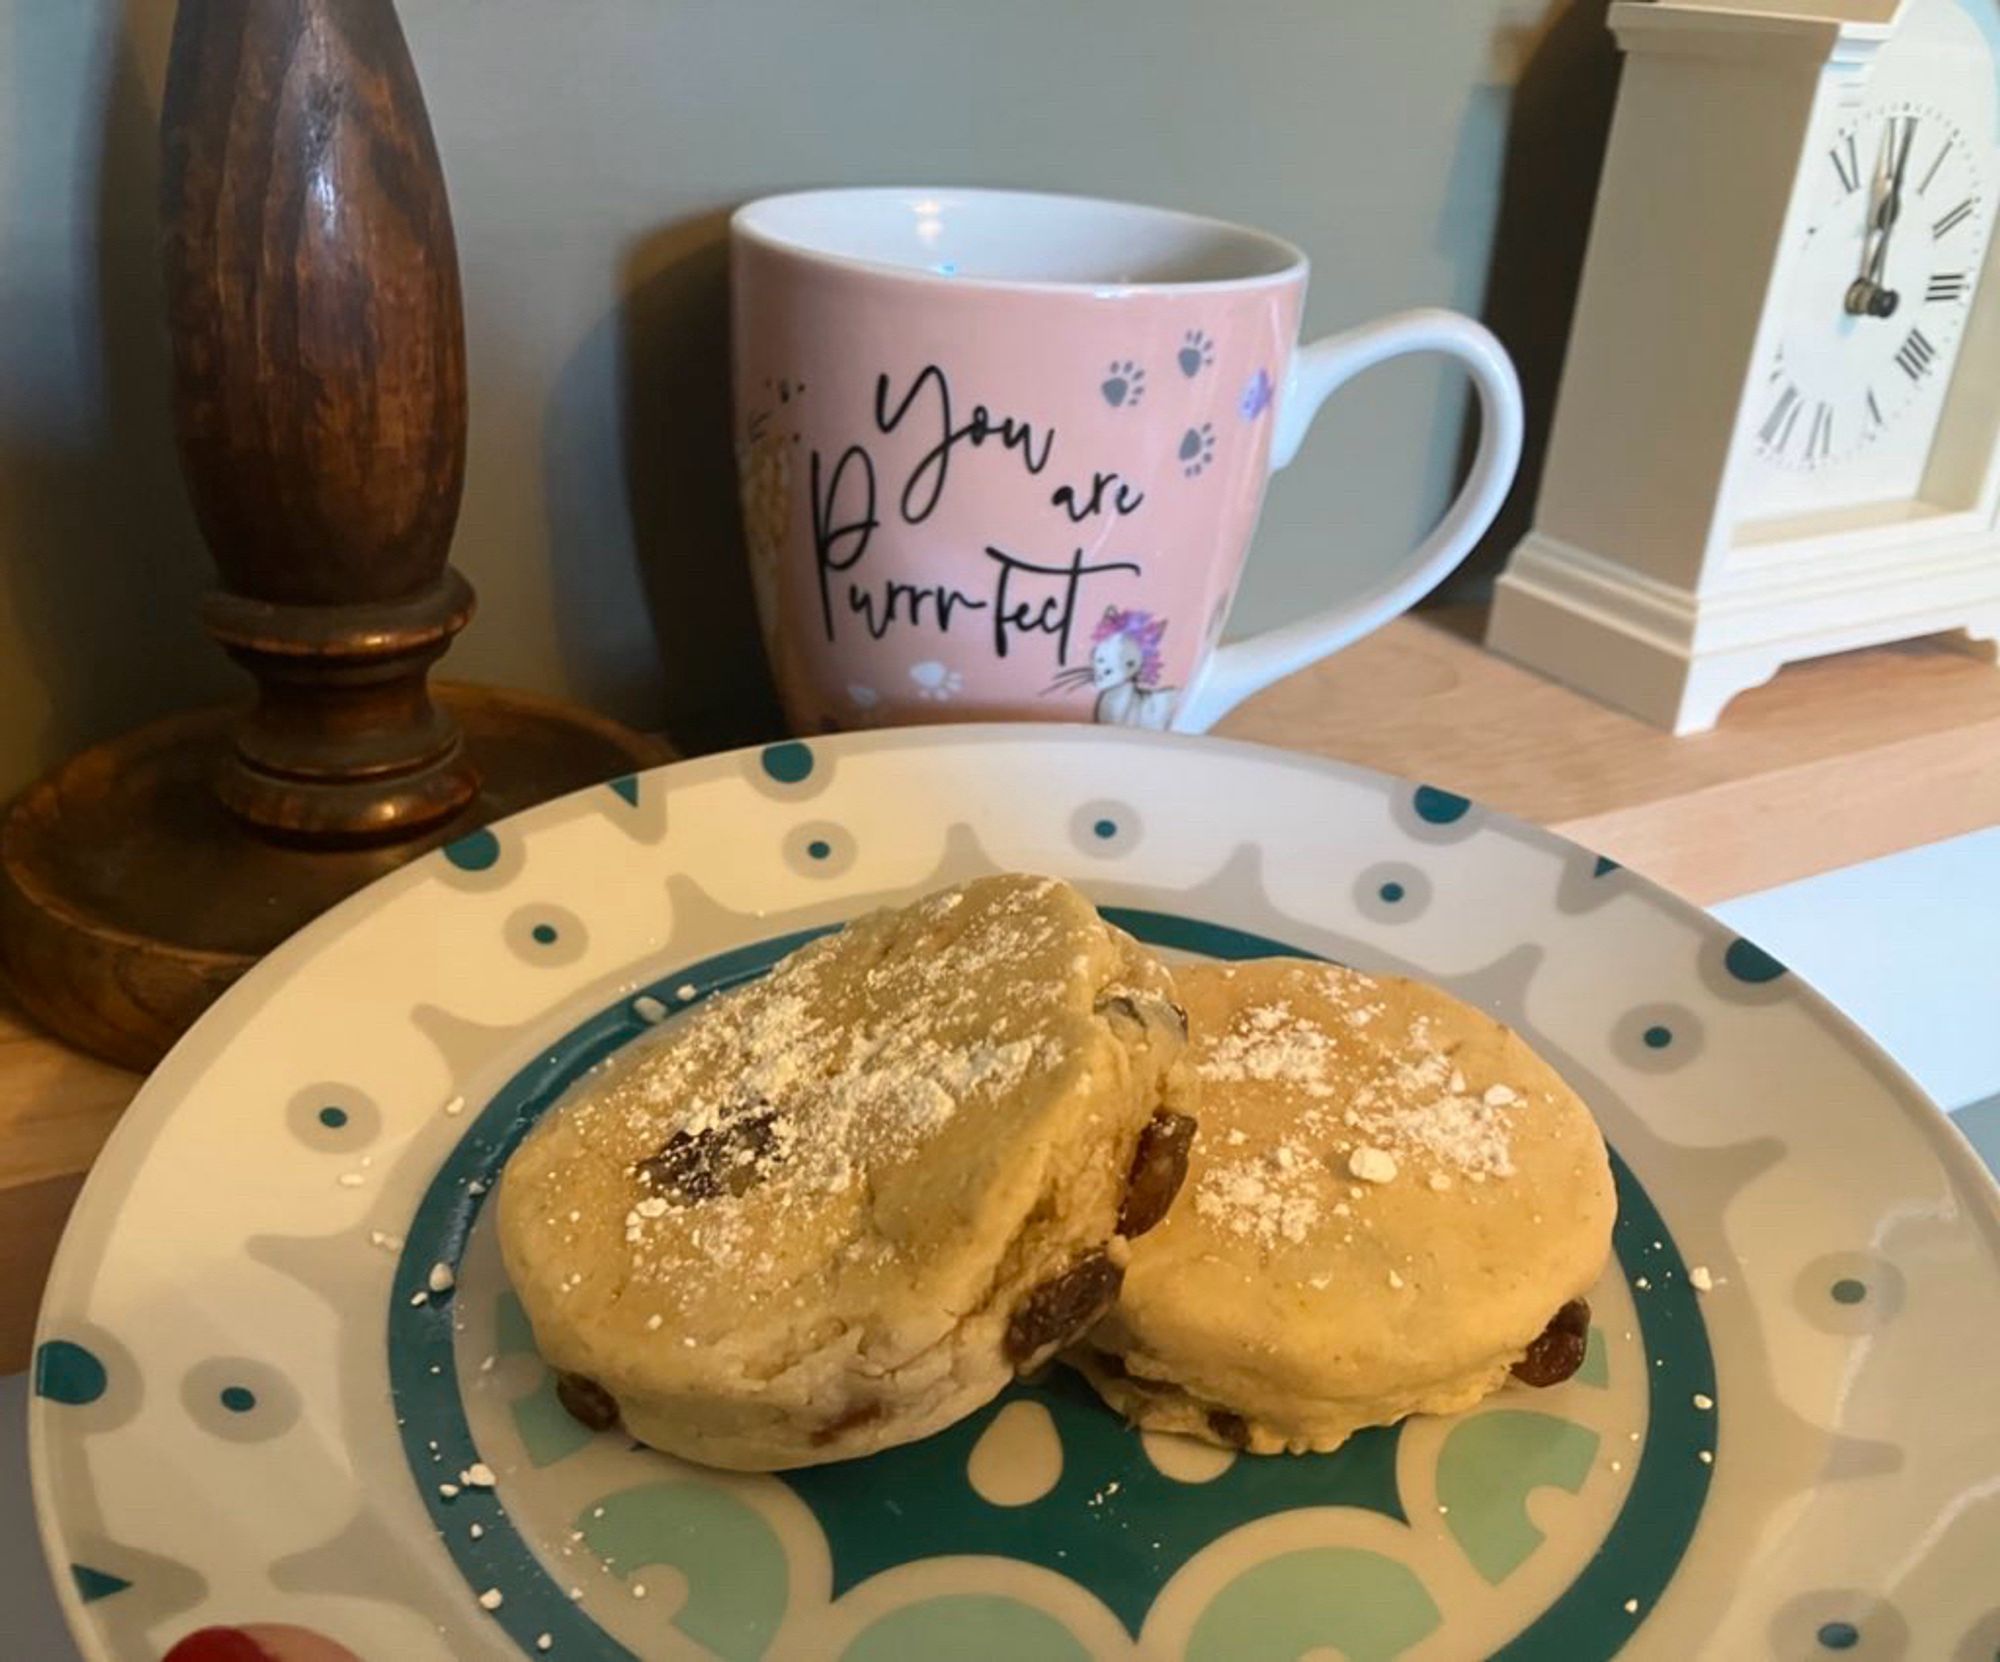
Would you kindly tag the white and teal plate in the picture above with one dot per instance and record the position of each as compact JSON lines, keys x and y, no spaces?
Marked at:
{"x":251,"y":1406}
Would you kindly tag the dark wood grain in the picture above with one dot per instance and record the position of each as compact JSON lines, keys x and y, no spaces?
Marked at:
{"x":319,"y":401}
{"x":312,"y":297}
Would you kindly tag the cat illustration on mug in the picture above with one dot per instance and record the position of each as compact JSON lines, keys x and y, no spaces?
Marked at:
{"x":1124,"y":664}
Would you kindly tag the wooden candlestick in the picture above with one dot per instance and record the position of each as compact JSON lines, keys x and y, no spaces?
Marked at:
{"x":319,"y":397}
{"x":319,"y":401}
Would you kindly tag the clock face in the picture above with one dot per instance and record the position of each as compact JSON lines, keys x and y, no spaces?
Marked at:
{"x":1900,"y":203}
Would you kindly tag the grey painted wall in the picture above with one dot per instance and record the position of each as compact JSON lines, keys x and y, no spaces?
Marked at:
{"x":593,"y":148}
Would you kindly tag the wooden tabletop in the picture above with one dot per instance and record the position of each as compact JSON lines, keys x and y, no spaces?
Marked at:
{"x":56,"y":1109}
{"x":1836,"y":761}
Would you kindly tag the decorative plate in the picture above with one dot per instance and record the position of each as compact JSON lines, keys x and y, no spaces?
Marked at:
{"x":278,"y":1358}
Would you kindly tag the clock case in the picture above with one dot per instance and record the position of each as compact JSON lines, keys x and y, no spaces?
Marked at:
{"x":1640,"y":583}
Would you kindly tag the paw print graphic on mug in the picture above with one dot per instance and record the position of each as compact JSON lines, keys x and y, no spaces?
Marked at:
{"x":1124,"y":384}
{"x":1197,"y":450}
{"x":936,"y":682}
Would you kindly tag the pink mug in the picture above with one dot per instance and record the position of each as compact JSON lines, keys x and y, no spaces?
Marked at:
{"x":1001,"y":453}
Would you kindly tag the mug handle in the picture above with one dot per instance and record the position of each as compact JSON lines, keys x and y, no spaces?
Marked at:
{"x":1317,"y":371}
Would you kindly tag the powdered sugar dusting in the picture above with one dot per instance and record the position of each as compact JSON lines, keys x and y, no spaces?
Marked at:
{"x":1267,"y":1042}
{"x":1375,"y":1106}
{"x":1372,"y":1165}
{"x":852,"y":1055}
{"x":1265,"y":1198}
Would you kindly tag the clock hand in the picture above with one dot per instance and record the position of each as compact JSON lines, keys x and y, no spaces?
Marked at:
{"x":1882,"y":300}
{"x":1862,"y":291}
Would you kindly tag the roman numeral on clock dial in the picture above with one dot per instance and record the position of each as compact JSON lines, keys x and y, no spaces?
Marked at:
{"x":1784,"y":416}
{"x":1916,"y":355}
{"x":1946,"y":286}
{"x":1951,"y":219}
{"x":1931,"y":172}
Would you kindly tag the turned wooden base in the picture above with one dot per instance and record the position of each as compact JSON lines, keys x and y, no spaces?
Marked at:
{"x":130,"y":897}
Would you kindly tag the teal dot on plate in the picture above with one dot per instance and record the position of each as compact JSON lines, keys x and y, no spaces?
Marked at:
{"x":476,"y":851}
{"x":1848,"y":1291}
{"x":627,"y":786}
{"x":238,"y":1399}
{"x":1391,"y":892}
{"x":332,"y":1118}
{"x":1748,"y":961}
{"x":544,"y":933}
{"x":1603,"y":866}
{"x":1839,"y":1635}
{"x":92,"y":1585}
{"x":1106,"y":828}
{"x":1436,"y":807}
{"x":66,"y":1372}
{"x":819,"y":848}
{"x":1657,"y":1037}
{"x":788,"y":763}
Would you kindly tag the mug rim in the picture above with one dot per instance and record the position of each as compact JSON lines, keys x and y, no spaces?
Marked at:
{"x":743,"y":225}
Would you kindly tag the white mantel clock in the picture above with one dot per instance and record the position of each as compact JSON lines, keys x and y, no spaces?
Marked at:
{"x":1778,"y":430}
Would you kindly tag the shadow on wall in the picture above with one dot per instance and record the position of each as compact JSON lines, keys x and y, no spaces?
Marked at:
{"x":105,"y":567}
{"x":1561,"y":117}
{"x":667,"y":471}
{"x":680,"y":472}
